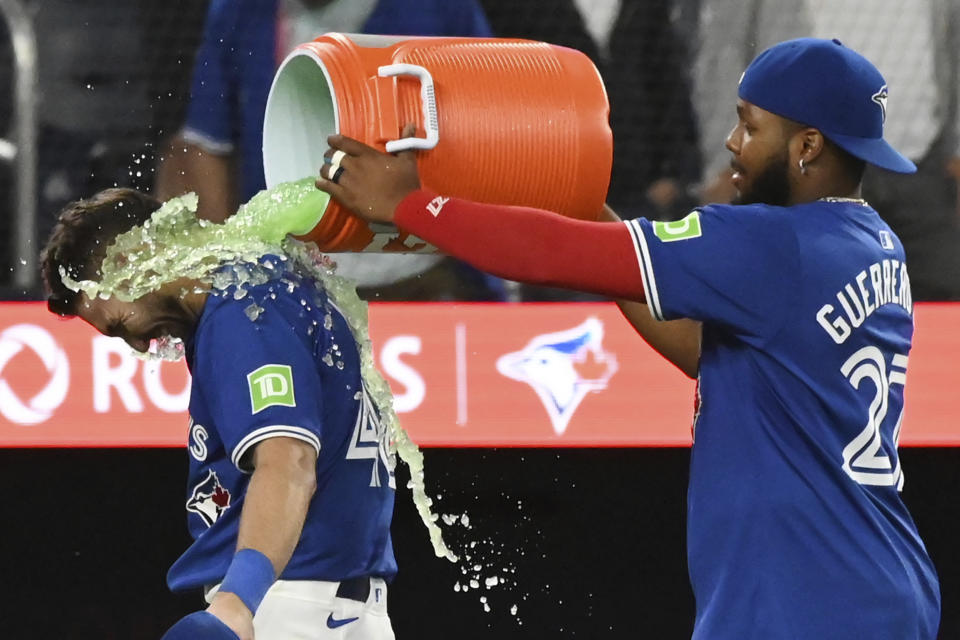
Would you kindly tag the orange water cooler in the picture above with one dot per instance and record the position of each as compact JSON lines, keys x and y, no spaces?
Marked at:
{"x":501,"y":121}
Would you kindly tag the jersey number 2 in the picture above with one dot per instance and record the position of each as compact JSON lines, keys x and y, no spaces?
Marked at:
{"x":864,"y":459}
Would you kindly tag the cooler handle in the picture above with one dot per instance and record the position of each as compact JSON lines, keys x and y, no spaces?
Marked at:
{"x":429,"y":100}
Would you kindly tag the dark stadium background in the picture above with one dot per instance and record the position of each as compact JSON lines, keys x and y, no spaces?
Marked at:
{"x":597,"y":544}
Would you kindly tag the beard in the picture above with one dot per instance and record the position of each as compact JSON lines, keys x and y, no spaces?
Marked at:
{"x":772,"y":185}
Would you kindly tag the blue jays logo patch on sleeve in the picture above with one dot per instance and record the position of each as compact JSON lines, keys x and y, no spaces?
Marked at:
{"x":209,"y":499}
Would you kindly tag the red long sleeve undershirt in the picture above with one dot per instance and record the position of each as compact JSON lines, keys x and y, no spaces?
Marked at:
{"x":528,"y":245}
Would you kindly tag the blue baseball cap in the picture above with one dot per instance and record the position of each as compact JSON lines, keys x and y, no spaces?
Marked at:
{"x":825,"y":85}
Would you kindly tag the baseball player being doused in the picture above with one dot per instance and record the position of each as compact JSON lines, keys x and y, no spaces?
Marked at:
{"x":290,"y":491}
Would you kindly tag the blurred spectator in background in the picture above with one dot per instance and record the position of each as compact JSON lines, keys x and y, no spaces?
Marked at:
{"x":644,"y":64}
{"x":732,"y":33}
{"x":916,"y":46}
{"x":218,"y":152}
{"x":108,"y":82}
{"x":654,"y":131}
{"x":93,"y":100}
{"x":7,"y":151}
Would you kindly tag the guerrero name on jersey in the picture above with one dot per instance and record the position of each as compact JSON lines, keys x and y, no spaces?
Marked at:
{"x":279,"y":361}
{"x":796,"y":527}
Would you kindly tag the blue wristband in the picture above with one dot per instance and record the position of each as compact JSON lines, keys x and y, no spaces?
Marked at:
{"x":249,"y":577}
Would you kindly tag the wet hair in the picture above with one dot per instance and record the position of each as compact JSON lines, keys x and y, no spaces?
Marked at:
{"x":79,"y":240}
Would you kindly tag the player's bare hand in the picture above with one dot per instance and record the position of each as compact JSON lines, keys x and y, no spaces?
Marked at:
{"x":233,"y":613}
{"x":366,"y":181}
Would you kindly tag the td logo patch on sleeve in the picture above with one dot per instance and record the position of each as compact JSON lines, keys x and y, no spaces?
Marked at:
{"x":684,"y":229}
{"x":271,"y":386}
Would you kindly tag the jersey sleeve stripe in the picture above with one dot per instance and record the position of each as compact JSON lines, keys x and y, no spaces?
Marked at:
{"x":646,"y":268}
{"x":272,"y":431}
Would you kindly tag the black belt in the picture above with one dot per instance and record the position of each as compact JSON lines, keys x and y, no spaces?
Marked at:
{"x":354,"y":589}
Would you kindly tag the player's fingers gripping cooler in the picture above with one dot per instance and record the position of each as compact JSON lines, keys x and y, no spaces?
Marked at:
{"x":500,"y":121}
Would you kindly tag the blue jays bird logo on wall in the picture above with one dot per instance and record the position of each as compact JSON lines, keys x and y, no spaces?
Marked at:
{"x":562,"y":368}
{"x":209,"y":499}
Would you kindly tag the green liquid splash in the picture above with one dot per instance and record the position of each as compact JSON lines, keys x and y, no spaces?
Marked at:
{"x":174,"y":244}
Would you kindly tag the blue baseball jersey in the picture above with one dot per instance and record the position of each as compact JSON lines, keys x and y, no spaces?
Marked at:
{"x":796,"y":528}
{"x":239,"y":54}
{"x":280,"y":361}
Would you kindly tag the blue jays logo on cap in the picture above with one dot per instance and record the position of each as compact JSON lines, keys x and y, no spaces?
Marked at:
{"x":880,"y":97}
{"x":825,"y":85}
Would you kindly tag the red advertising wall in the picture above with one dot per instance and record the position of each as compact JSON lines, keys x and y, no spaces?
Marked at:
{"x":462,"y":374}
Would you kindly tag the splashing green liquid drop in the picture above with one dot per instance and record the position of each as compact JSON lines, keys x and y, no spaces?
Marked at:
{"x":174,"y":244}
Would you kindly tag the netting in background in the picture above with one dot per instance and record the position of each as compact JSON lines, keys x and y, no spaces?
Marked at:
{"x":915,"y":45}
{"x":114,"y":81}
{"x":114,"y":84}
{"x":641,"y":48}
{"x":7,"y":184}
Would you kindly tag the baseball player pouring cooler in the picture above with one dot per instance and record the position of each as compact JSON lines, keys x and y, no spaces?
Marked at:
{"x":291,"y":489}
{"x":795,"y":314}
